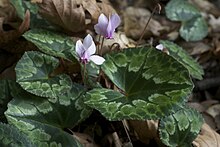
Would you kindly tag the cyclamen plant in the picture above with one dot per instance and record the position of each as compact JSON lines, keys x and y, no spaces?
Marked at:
{"x":86,"y":51}
{"x":106,"y":27}
{"x":148,"y":85}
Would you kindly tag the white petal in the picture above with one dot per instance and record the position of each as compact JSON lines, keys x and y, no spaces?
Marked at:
{"x":97,"y":59}
{"x":101,"y":27}
{"x":79,"y":48}
{"x":159,"y":47}
{"x":115,"y":21}
{"x":91,"y":50}
{"x":87,"y":42}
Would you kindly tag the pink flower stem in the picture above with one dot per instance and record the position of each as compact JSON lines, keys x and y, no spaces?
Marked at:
{"x":103,"y":38}
{"x":84,"y":74}
{"x":99,"y":44}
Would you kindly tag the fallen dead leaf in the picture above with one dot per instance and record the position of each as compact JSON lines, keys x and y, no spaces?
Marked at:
{"x":7,"y":36}
{"x":7,"y":11}
{"x":68,"y":14}
{"x":206,"y":6}
{"x":214,"y":110}
{"x":73,"y":15}
{"x":4,"y":3}
{"x":214,"y":23}
{"x":146,"y":130}
{"x":105,"y":7}
{"x":85,"y":139}
{"x":36,"y":1}
{"x":135,"y":20}
{"x":120,"y":41}
{"x":207,"y":138}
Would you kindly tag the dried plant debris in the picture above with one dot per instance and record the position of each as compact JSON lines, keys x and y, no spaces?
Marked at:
{"x":81,"y":12}
{"x":135,"y":20}
{"x":7,"y":36}
{"x":207,"y":138}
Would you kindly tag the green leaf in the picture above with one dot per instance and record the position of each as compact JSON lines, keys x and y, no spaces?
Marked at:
{"x":36,"y":21}
{"x":181,"y":10}
{"x":34,"y":74}
{"x":42,"y":120}
{"x":10,"y":136}
{"x":153,"y":85}
{"x":67,"y":111}
{"x":55,"y":44}
{"x":5,"y":97}
{"x":181,"y":128}
{"x":186,"y":60}
{"x":194,"y":30}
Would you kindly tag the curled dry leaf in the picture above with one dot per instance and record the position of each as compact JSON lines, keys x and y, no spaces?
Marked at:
{"x":119,"y":41}
{"x":207,"y":138}
{"x":71,"y":15}
{"x":6,"y":37}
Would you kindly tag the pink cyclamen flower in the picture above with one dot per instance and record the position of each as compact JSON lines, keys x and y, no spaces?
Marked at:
{"x":86,"y":51}
{"x":106,"y":27}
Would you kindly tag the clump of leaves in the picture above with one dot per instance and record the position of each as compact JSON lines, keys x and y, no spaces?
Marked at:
{"x":149,"y":84}
{"x":193,"y":27}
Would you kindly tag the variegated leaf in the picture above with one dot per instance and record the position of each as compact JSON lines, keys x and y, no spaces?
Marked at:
{"x":34,"y":74}
{"x":186,"y":60}
{"x":152,"y":85}
{"x":180,"y":128}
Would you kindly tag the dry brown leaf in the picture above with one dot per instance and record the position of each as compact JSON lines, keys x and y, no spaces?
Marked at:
{"x":206,"y":6}
{"x":106,"y":7}
{"x":207,"y":138}
{"x":214,"y":110}
{"x":93,"y":9}
{"x":146,"y":130}
{"x":84,"y":139}
{"x":6,"y":37}
{"x":72,"y":15}
{"x":135,"y":20}
{"x":36,"y":1}
{"x":120,"y":41}
{"x":7,"y":11}
{"x":214,"y":23}
{"x":68,"y":14}
{"x":4,"y":3}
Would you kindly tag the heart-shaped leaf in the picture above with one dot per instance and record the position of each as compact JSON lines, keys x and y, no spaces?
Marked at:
{"x":52,"y":43}
{"x":181,"y":55}
{"x":34,"y":71}
{"x":194,"y":29}
{"x":42,"y":120}
{"x":181,"y":10}
{"x":67,"y":111}
{"x":153,"y":85}
{"x":181,"y":128}
{"x":10,"y":136}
